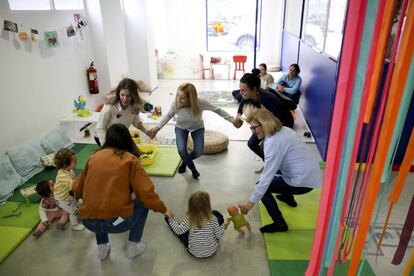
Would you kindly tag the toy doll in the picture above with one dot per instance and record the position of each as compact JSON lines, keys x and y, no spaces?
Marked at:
{"x":238,"y":219}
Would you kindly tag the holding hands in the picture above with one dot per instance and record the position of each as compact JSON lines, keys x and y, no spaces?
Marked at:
{"x":169,"y":214}
{"x":246,"y":207}
{"x":237,"y":122}
{"x":153,"y":132}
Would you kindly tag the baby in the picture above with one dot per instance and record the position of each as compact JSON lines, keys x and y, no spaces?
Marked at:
{"x":48,"y":208}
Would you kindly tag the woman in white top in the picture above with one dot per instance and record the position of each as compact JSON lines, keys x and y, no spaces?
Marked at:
{"x":123,"y":108}
{"x":266,"y":80}
{"x":189,"y":109}
{"x":289,"y":169}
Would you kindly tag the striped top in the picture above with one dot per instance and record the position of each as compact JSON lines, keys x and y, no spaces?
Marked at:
{"x":202,"y":242}
{"x":63,"y":184}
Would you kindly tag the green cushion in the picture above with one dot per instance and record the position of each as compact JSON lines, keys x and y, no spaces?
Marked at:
{"x":28,"y":218}
{"x":10,"y":238}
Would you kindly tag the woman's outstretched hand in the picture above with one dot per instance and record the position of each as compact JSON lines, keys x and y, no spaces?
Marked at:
{"x":237,"y":122}
{"x":245,"y":208}
{"x":169,"y":214}
{"x":153,"y":132}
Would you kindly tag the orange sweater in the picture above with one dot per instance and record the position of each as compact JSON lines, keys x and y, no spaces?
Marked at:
{"x":106,"y":183}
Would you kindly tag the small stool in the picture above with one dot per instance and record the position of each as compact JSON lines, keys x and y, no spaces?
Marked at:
{"x":214,"y":142}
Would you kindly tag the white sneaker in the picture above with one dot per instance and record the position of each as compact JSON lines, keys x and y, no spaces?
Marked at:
{"x":78,"y":227}
{"x":103,"y":251}
{"x":135,"y":248}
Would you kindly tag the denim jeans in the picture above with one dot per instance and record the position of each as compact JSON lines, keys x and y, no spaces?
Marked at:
{"x":181,"y":136}
{"x":135,"y":224}
{"x":279,"y":186}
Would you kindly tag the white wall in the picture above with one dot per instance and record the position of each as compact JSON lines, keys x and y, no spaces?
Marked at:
{"x":38,"y":84}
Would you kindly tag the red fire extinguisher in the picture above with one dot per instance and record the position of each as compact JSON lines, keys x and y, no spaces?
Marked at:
{"x":92,"y":79}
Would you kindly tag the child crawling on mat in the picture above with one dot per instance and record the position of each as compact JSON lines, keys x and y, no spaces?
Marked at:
{"x":48,"y":208}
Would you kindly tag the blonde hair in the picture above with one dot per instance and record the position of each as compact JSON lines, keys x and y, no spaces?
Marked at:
{"x":199,"y":209}
{"x":190,"y":92}
{"x":269,"y":122}
{"x":137,"y":102}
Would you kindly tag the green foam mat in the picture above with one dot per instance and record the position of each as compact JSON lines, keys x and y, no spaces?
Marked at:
{"x":84,"y":154}
{"x":298,"y":267}
{"x":166,"y":162}
{"x":28,"y":218}
{"x":10,"y":238}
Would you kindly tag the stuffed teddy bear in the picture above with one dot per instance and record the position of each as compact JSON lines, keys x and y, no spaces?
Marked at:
{"x":238,"y":220}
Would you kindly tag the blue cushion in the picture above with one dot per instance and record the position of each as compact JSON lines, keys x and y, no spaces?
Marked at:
{"x":9,"y":178}
{"x":55,"y":140}
{"x":26,"y":160}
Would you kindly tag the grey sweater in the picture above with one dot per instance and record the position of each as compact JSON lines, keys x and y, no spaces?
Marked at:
{"x":186,"y":120}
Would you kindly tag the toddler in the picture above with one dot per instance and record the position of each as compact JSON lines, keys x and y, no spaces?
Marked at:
{"x":48,"y":209}
{"x":202,"y":227}
{"x":65,"y":161}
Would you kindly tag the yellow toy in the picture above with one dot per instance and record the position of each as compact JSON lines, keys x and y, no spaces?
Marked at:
{"x":80,"y":107}
{"x":238,"y":219}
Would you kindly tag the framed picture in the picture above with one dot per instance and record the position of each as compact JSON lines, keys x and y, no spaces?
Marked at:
{"x":231,"y":25}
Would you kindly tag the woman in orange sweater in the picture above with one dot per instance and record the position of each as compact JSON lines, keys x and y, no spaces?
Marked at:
{"x":105,"y":186}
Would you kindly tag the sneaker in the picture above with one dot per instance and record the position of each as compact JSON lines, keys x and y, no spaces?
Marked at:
{"x":135,"y":248}
{"x":274,"y":227}
{"x":37,"y":234}
{"x":78,"y":227}
{"x":195,"y":173}
{"x":104,"y":250}
{"x":60,"y":226}
{"x":182,"y":168}
{"x":288,"y":199}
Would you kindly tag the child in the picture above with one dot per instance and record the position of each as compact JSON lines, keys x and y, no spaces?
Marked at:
{"x":65,"y":161}
{"x":48,"y":209}
{"x":202,"y":227}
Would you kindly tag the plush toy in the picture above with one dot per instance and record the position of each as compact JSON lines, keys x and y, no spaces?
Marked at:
{"x":80,"y":107}
{"x":238,"y":219}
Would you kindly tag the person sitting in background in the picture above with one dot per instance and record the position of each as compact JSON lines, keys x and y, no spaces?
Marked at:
{"x":266,"y":80}
{"x":236,"y":93}
{"x":289,"y":83}
{"x":124,"y":107}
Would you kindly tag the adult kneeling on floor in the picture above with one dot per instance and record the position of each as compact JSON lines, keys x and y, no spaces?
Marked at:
{"x":289,"y":169}
{"x":105,"y":186}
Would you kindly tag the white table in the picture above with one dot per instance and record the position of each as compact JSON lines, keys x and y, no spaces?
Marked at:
{"x":226,"y":66}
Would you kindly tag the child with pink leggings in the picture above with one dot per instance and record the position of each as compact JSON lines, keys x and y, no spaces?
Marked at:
{"x":48,"y":209}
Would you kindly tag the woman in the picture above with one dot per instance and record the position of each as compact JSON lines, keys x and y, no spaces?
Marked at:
{"x":266,"y":80}
{"x":254,"y":97}
{"x":289,"y":83}
{"x":289,"y":169}
{"x":123,"y":107}
{"x":105,"y":186}
{"x":189,"y":109}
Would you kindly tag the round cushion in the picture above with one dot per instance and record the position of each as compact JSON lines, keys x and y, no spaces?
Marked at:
{"x":214,"y":142}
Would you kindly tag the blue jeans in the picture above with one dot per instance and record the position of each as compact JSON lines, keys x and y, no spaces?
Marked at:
{"x":135,"y":224}
{"x":181,"y":136}
{"x":279,"y":186}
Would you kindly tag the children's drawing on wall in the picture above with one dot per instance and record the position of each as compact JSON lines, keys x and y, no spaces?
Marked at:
{"x":35,"y":35}
{"x":52,"y":39}
{"x":23,"y":36}
{"x":80,"y":23}
{"x":10,"y":26}
{"x":70,"y":31}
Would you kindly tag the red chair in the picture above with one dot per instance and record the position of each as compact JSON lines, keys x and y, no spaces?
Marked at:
{"x":203,"y":68}
{"x":239,"y":62}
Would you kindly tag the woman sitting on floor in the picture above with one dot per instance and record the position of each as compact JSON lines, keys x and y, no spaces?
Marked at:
{"x":289,"y":169}
{"x":289,"y":83}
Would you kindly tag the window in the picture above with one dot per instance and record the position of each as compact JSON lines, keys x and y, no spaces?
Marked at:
{"x":323,"y":24}
{"x":45,"y":5}
{"x":231,"y":25}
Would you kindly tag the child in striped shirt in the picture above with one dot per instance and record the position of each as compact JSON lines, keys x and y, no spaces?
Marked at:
{"x":202,"y":227}
{"x":65,"y":161}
